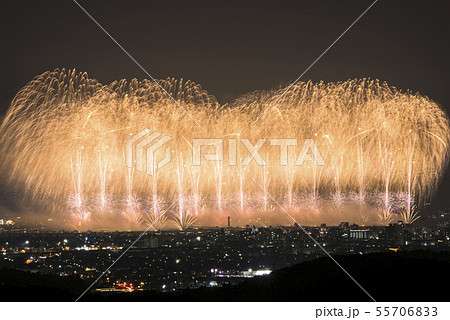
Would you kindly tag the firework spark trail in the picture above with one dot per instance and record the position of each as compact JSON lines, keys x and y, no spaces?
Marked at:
{"x":133,"y":59}
{"x":313,"y":63}
{"x":62,"y":144}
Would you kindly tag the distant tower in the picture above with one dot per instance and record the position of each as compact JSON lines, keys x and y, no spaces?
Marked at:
{"x":229,"y":221}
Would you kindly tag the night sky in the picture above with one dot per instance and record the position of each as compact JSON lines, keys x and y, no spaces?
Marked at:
{"x":230,"y":47}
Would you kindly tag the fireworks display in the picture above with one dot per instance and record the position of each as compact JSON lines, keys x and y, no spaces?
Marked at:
{"x":63,"y":147}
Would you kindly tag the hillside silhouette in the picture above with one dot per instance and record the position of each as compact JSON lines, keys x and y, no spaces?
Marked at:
{"x":401,"y":276}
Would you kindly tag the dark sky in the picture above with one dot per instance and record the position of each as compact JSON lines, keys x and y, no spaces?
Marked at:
{"x":230,"y":47}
